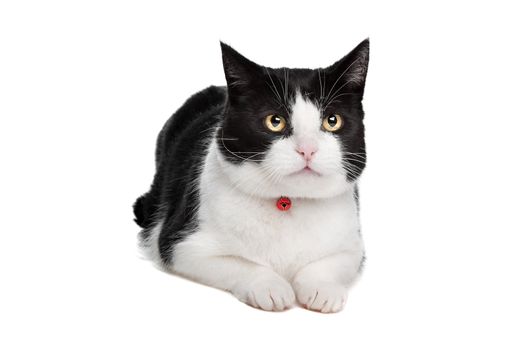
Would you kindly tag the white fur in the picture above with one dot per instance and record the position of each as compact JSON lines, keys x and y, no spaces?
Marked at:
{"x":266,"y":257}
{"x":150,"y":247}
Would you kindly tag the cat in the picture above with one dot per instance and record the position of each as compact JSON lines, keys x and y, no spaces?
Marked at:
{"x":255,"y":190}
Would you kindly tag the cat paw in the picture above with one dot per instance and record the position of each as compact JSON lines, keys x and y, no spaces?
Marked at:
{"x":268,"y":292}
{"x":323,"y":297}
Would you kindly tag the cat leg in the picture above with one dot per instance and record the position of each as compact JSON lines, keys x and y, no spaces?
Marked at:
{"x":323,"y":284}
{"x":253,"y":284}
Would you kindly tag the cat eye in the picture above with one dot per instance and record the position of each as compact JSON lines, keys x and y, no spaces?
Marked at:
{"x":333,"y":122}
{"x":275,"y":123}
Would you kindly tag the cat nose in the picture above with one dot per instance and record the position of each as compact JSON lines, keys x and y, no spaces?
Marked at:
{"x":306,"y":151}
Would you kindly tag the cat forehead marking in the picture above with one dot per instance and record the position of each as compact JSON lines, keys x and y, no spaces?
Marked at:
{"x":305,"y":116}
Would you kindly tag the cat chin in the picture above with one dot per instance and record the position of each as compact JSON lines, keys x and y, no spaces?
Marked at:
{"x":299,"y":188}
{"x":248,"y":179}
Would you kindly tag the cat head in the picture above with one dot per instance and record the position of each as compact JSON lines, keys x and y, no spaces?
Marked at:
{"x":293,"y":132}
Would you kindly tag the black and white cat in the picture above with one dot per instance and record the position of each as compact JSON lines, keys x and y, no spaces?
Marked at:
{"x":255,"y":190}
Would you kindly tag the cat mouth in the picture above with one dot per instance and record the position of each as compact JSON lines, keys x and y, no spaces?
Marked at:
{"x":306,"y":171}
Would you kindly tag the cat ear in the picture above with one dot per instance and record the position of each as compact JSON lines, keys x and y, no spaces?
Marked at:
{"x":351,"y":70}
{"x":238,"y":69}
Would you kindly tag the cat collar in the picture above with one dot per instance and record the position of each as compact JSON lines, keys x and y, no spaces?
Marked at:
{"x":284,"y":203}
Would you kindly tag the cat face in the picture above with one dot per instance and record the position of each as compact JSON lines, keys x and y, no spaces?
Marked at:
{"x":293,"y":132}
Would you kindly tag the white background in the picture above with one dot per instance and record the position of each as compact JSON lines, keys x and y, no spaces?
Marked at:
{"x":84,"y":89}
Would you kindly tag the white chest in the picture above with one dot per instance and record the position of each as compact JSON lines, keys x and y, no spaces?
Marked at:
{"x":253,"y":228}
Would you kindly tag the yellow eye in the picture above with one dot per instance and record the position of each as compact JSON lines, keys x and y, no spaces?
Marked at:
{"x":333,"y":122}
{"x":275,"y":123}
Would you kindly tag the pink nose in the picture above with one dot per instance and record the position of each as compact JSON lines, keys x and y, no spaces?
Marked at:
{"x":306,"y":151}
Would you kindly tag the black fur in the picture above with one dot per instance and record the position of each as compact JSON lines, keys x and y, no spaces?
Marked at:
{"x":180,"y":148}
{"x":237,"y":113}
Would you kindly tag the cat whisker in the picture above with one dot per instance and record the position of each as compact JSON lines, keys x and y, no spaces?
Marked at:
{"x":208,"y":129}
{"x":360,"y":155}
{"x":335,"y":95}
{"x":340,"y":76}
{"x":354,"y":160}
{"x":250,"y":152}
{"x":345,"y":162}
{"x":352,"y":170}
{"x":235,"y":154}
{"x":283,"y":89}
{"x":281,"y":100}
{"x":334,"y":99}
{"x":254,"y":189}
{"x":277,"y":98}
{"x":320,"y":86}
{"x":286,"y":80}
{"x":274,"y":87}
{"x":354,"y":175}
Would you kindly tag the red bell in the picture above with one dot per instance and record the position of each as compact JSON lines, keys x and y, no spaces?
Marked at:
{"x":284,"y":203}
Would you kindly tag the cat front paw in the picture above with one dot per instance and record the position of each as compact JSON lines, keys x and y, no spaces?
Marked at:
{"x":269,"y":292}
{"x":321,"y":296}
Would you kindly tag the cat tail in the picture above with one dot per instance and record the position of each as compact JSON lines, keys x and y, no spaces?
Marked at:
{"x":144,"y":209}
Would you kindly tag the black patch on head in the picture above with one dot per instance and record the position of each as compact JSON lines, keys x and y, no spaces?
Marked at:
{"x":255,"y":91}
